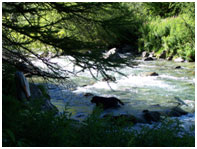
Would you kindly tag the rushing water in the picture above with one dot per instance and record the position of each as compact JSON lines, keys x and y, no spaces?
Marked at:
{"x":137,"y":90}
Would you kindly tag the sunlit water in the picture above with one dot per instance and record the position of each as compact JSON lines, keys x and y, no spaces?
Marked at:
{"x":137,"y":90}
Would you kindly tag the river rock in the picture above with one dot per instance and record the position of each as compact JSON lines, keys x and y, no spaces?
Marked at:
{"x":145,"y":54}
{"x":151,"y":74}
{"x":179,"y":59}
{"x":177,"y":67}
{"x":36,"y":94}
{"x":148,"y":59}
{"x":107,"y":102}
{"x":88,"y":94}
{"x":162,"y":55}
{"x":176,"y":112}
{"x":112,"y":54}
{"x":151,"y":116}
{"x":170,"y":58}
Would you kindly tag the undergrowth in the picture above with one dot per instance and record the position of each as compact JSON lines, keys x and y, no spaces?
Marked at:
{"x":26,"y":125}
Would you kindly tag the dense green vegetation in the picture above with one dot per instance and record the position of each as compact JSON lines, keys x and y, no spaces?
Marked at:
{"x":84,"y":31}
{"x":175,"y":34}
{"x":26,"y":125}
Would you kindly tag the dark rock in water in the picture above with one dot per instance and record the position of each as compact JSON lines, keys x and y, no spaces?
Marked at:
{"x":163,"y":55}
{"x":151,"y":74}
{"x":88,"y":94}
{"x":170,"y":58}
{"x":115,"y":56}
{"x":123,"y":117}
{"x":36,"y":94}
{"x":176,"y":112}
{"x":151,"y":116}
{"x":106,"y":102}
{"x":84,"y":85}
{"x":177,"y":67}
{"x":145,"y":54}
{"x":148,"y":59}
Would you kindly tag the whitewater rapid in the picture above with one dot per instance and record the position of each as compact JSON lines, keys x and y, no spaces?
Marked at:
{"x":137,"y":90}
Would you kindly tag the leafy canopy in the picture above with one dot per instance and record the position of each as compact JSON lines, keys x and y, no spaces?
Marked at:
{"x":69,"y":29}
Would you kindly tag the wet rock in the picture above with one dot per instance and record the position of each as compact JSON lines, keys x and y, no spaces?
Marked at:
{"x":145,"y":54}
{"x":148,"y":59}
{"x":107,"y":102}
{"x":178,"y":67}
{"x":115,"y":56}
{"x":176,"y":112}
{"x":36,"y":94}
{"x":170,"y":58}
{"x":112,"y":54}
{"x":179,"y":59}
{"x":151,"y":74}
{"x":88,"y":94}
{"x":162,"y":55}
{"x":151,"y":116}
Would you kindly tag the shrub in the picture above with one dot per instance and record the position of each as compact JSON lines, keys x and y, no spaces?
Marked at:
{"x":174,"y":35}
{"x":28,"y":126}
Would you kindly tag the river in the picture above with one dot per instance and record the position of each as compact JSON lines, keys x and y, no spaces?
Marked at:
{"x":138,"y":91}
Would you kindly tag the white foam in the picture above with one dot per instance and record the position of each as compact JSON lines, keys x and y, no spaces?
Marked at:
{"x":173,"y":77}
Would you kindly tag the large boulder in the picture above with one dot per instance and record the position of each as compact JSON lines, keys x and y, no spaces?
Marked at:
{"x":148,"y":59}
{"x":151,"y":116}
{"x":107,"y":102}
{"x":37,"y":94}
